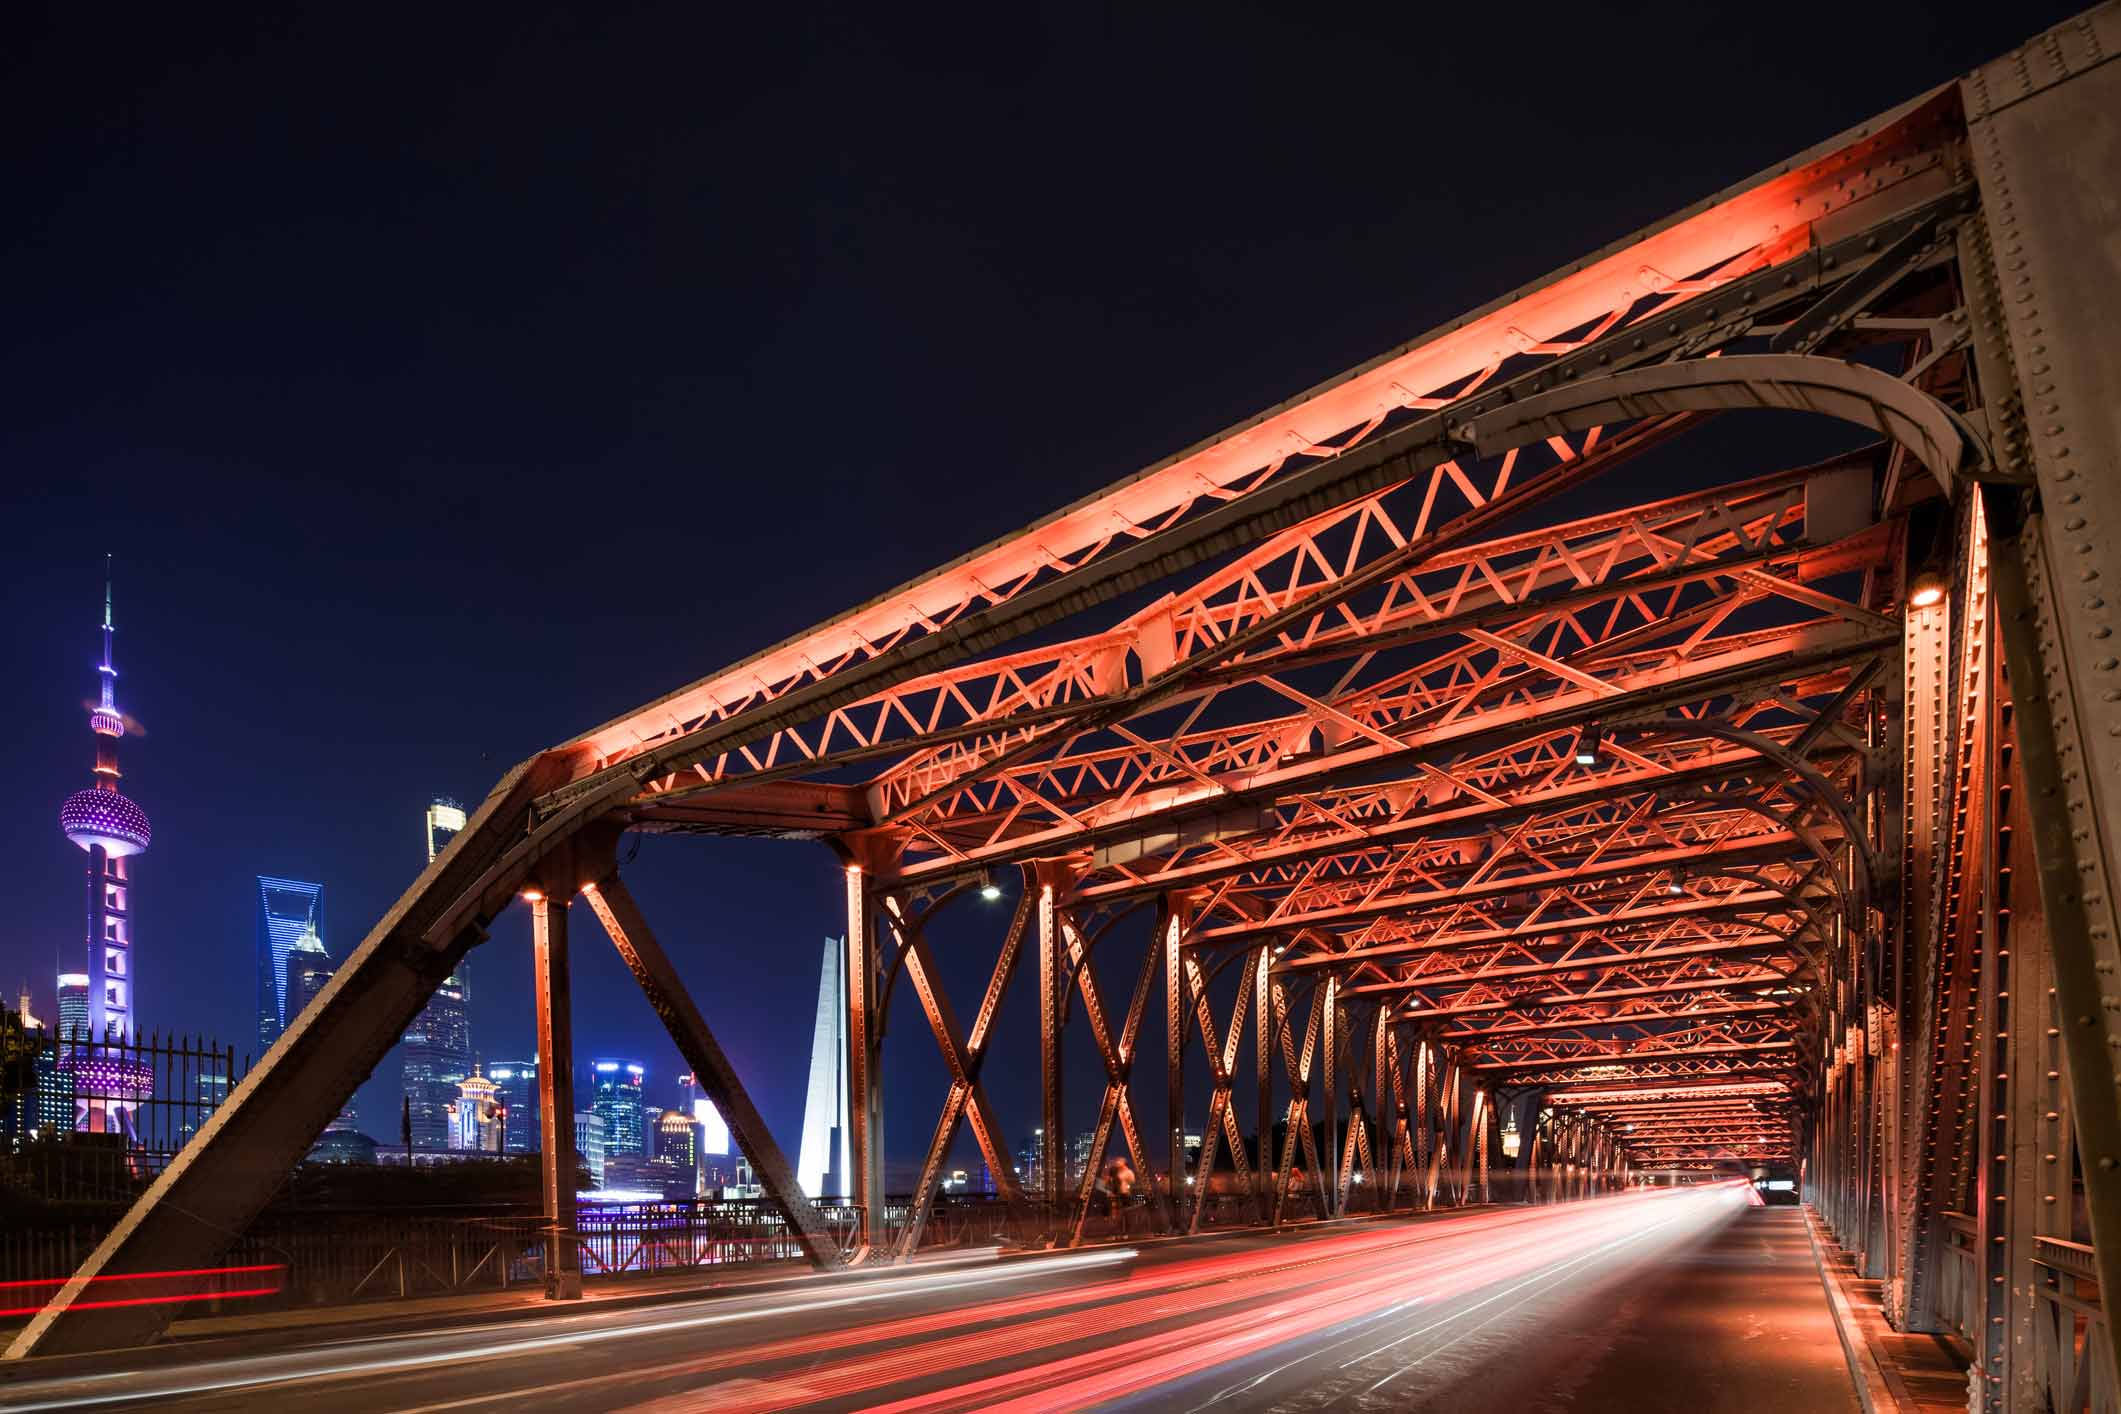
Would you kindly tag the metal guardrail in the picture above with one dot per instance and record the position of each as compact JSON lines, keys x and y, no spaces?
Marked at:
{"x":1959,"y":1278}
{"x":2071,"y":1349}
{"x":326,"y":1257}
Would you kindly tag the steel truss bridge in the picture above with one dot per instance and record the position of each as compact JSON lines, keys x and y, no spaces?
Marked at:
{"x":1770,"y":823}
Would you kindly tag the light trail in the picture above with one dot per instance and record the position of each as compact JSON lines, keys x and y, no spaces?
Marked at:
{"x":1254,"y":1308}
{"x":68,"y":1393}
{"x":1117,"y":1371}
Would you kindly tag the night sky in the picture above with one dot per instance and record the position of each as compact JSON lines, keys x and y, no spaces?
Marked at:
{"x":448,"y":380}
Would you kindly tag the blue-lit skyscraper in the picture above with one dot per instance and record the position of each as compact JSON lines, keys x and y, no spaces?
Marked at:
{"x":287,"y":908}
{"x":619,"y":1104}
{"x":518,"y":1081}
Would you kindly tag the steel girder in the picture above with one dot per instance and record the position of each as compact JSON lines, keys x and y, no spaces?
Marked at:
{"x":1627,"y":827}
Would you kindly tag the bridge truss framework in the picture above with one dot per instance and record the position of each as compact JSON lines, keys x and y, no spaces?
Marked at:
{"x":1769,"y":825}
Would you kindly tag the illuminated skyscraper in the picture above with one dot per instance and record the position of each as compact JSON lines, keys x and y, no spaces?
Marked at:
{"x":518,"y":1081}
{"x":73,"y":1004}
{"x":437,"y":1058}
{"x":308,"y":968}
{"x":822,"y":1166}
{"x":437,"y":1046}
{"x":111,"y":830}
{"x":444,"y":818}
{"x":287,"y":908}
{"x":589,"y":1144}
{"x":54,"y":1110}
{"x":618,"y":1102}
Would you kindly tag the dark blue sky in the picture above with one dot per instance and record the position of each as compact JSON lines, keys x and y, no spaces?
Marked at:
{"x":447,"y":380}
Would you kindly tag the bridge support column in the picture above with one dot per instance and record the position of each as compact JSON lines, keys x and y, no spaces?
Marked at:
{"x":1329,"y":1117}
{"x":1170,"y":926}
{"x":1263,"y":1077}
{"x":1052,"y":996}
{"x":865,"y":1107}
{"x":555,"y":1013}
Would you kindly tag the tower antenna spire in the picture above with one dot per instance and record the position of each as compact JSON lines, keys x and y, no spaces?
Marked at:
{"x":107,"y":670}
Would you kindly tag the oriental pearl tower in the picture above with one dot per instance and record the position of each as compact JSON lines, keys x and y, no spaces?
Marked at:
{"x":108,"y":1084}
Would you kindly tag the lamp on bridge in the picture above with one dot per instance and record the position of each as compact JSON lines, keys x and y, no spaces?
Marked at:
{"x":1927,"y":589}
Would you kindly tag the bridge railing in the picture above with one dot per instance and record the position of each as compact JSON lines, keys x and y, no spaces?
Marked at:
{"x":2071,"y":1349}
{"x":1959,"y":1278}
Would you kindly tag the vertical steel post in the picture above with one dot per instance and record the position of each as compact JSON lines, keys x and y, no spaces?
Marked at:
{"x":555,"y":1015}
{"x":1263,"y":1076}
{"x":1052,"y":979}
{"x":1336,"y":1193}
{"x":864,"y":1093}
{"x":1169,"y":927}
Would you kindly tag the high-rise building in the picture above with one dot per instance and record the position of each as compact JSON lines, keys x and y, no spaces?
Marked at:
{"x":444,"y":818}
{"x":677,"y":1143}
{"x":287,"y":908}
{"x":822,"y":1165}
{"x":1031,"y":1158}
{"x":73,"y":1005}
{"x":111,"y":830}
{"x":589,"y":1145}
{"x":436,"y":1052}
{"x":475,"y":1115}
{"x":1079,"y":1157}
{"x":53,"y":1112}
{"x":209,"y":1089}
{"x":519,"y":1103}
{"x":618,"y":1101}
{"x":308,"y":967}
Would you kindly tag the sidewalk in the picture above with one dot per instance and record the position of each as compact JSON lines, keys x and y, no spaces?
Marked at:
{"x":1897,"y":1372}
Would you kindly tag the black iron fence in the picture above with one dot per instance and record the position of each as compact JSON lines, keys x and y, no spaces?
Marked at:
{"x":95,"y":1121}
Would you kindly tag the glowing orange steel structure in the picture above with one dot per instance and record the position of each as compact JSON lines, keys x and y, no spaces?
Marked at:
{"x":1533,"y":849}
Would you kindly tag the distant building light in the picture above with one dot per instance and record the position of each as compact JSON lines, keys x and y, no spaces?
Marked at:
{"x":619,"y":1195}
{"x":607,"y":1067}
{"x":635,"y":1070}
{"x":714,"y":1131}
{"x":73,"y":979}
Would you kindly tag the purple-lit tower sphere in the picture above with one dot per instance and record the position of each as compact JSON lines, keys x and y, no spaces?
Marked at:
{"x":108,"y":1083}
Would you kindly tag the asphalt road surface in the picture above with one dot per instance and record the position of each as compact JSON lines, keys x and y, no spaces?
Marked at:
{"x":1662,"y":1299}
